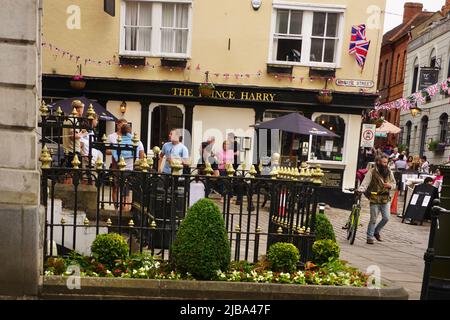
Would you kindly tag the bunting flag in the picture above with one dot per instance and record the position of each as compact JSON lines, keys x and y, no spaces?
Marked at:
{"x":359,"y":45}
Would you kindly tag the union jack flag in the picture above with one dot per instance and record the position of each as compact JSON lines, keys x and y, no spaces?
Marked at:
{"x":359,"y":45}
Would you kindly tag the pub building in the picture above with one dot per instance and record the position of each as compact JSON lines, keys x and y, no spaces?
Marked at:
{"x":256,"y":76}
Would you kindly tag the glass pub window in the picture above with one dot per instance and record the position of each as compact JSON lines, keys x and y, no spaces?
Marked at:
{"x":324,"y":37}
{"x":322,"y":148}
{"x":288,"y":35}
{"x":138,"y":26}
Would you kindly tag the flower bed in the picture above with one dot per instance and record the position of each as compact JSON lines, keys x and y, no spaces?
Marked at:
{"x":334,"y":273}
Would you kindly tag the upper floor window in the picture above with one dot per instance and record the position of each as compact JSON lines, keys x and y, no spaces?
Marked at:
{"x":415,"y":76}
{"x":397,"y":72}
{"x":443,"y":127}
{"x":433,"y":59}
{"x":306,"y":35}
{"x":385,"y":78}
{"x":152,"y":28}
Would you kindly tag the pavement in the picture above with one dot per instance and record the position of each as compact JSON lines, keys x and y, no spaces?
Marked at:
{"x":399,"y":256}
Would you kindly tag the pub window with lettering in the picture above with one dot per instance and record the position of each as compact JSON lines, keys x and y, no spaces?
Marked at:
{"x":326,"y":148}
{"x":305,"y":37}
{"x":150,"y":28}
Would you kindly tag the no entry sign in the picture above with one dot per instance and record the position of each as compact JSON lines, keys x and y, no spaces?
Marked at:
{"x":368,"y":136}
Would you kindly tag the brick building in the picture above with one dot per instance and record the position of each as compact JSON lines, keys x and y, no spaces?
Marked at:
{"x":393,"y":60}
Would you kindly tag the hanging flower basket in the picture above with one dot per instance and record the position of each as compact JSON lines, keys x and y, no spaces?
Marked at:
{"x":206,"y":89}
{"x":325,"y":96}
{"x":77,"y":82}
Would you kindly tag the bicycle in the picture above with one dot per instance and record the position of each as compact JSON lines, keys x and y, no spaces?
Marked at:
{"x":353,"y":219}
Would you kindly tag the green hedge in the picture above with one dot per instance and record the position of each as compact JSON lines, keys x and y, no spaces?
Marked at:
{"x":283,"y":257}
{"x":324,"y":228}
{"x":107,"y":248}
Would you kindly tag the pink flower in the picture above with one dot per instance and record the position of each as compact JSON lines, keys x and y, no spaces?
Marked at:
{"x":78,"y":77}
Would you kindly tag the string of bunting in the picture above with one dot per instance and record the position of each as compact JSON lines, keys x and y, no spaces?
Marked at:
{"x":417,"y":98}
{"x":114,"y":62}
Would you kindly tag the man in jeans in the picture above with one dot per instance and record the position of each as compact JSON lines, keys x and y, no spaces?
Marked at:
{"x":376,"y":186}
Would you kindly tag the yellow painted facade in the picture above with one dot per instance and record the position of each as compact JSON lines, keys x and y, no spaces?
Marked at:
{"x":216,"y":24}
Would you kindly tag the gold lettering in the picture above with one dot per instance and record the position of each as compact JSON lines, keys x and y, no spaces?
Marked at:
{"x":174,"y":91}
{"x":252,"y":96}
{"x":190,"y":92}
{"x":232,"y":95}
{"x":272,"y":96}
{"x":244,"y":95}
{"x":219,"y":94}
{"x":259,"y":96}
{"x":265,"y":97}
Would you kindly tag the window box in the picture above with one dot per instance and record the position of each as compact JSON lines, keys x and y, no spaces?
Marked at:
{"x":132,"y":61}
{"x":322,"y":72}
{"x":279,"y":69}
{"x":173,"y":63}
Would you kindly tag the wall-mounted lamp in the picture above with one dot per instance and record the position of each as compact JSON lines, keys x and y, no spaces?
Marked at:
{"x":416,"y":111}
{"x":123,"y":107}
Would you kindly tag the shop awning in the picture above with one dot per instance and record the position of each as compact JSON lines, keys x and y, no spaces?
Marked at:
{"x":66,"y":106}
{"x":296,"y":123}
{"x":386,"y":128}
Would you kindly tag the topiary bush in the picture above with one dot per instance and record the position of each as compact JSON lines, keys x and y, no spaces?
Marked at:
{"x":109,"y":247}
{"x":325,"y":251}
{"x":283,"y":257}
{"x":201,"y":246}
{"x":324,"y":228}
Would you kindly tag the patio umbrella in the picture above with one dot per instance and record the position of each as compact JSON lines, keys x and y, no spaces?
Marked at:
{"x":66,"y":106}
{"x":296,"y":123}
{"x":387,"y":127}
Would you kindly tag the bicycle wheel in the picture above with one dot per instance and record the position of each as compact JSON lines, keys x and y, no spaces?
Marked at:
{"x":354,"y":226}
{"x":349,"y":225}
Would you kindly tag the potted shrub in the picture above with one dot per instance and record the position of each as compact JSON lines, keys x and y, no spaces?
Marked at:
{"x":325,"y":96}
{"x":206,"y":88}
{"x":77,"y":82}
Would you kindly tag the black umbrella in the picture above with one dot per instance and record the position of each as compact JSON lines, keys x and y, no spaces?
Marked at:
{"x":66,"y":106}
{"x":296,"y":123}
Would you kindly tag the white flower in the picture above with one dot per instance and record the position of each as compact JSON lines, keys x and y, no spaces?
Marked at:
{"x":108,"y":272}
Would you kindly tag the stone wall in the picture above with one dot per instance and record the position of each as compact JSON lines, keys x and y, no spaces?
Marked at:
{"x":21,"y":221}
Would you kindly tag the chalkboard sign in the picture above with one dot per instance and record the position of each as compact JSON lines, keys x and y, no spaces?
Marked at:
{"x":420,"y":203}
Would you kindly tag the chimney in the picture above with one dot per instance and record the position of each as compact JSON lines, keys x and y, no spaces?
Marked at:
{"x":411,"y":9}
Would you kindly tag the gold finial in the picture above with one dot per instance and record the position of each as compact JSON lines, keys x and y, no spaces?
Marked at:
{"x":122,"y":164}
{"x":230,"y":170}
{"x":135,"y":140}
{"x":252,"y":171}
{"x":318,"y":174}
{"x":208,"y":169}
{"x":274,"y":172}
{"x":104,"y":138}
{"x":75,"y":162}
{"x":99,"y":163}
{"x":74,"y":112}
{"x":63,"y":221}
{"x":90,"y":112}
{"x":149,"y":162}
{"x":86,"y":221}
{"x":119,"y":139}
{"x":258,"y":229}
{"x":177,"y":167}
{"x":137,"y":164}
{"x":43,"y":109}
{"x":153,"y":225}
{"x":280,"y":230}
{"x":237,"y":228}
{"x":243,"y":166}
{"x":45,"y":158}
{"x":308,"y":230}
{"x":109,"y":222}
{"x":131,"y":223}
{"x":260,"y":167}
{"x":144,"y":164}
{"x":296,"y":174}
{"x":156,"y":150}
{"x":59,"y":112}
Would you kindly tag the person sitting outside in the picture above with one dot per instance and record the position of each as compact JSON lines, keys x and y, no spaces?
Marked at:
{"x":424,"y":165}
{"x":401,"y":164}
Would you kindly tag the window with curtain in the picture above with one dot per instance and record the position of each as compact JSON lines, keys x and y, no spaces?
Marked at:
{"x":288,"y":35}
{"x":138,"y":26}
{"x":174,"y":28}
{"x":443,"y":127}
{"x":324,"y":37}
{"x":326,"y":148}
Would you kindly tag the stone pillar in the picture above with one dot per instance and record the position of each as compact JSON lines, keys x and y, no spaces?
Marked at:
{"x":21,"y":232}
